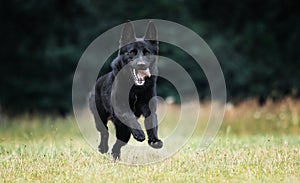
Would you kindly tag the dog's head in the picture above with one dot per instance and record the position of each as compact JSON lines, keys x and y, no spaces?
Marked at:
{"x":139,"y":53}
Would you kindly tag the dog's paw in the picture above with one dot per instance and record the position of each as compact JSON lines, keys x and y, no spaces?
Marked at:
{"x":116,"y":156}
{"x":103,"y":148}
{"x":139,"y":135}
{"x":155,"y":143}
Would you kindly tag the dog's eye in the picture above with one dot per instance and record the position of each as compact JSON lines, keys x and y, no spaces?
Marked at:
{"x":146,"y":52}
{"x":132,"y":52}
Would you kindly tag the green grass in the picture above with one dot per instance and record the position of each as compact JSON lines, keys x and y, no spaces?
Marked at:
{"x":53,"y":150}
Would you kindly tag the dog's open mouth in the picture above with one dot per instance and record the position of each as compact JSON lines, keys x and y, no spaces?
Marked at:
{"x":140,"y":75}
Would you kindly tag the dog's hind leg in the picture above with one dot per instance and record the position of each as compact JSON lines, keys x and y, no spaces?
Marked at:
{"x":123,"y":135}
{"x":101,"y":125}
{"x":101,"y":119}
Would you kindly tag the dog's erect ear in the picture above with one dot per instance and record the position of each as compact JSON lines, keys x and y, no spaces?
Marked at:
{"x":127,"y":35}
{"x":151,"y":33}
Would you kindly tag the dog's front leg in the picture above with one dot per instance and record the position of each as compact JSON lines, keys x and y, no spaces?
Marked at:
{"x":130,"y":120}
{"x":151,"y":125}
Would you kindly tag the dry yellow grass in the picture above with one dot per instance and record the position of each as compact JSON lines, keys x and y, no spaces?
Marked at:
{"x":255,"y":144}
{"x":274,"y":117}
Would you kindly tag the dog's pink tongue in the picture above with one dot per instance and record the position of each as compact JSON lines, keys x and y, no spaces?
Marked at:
{"x":144,"y":73}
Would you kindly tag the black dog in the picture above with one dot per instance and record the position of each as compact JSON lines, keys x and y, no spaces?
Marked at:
{"x":123,"y":95}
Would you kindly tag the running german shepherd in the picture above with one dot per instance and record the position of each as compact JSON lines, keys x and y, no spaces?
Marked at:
{"x":135,"y":67}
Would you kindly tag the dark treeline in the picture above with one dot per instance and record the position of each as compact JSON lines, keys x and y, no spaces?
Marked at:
{"x":256,"y":43}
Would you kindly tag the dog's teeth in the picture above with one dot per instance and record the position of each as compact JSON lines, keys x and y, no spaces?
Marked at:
{"x":134,"y":72}
{"x":139,"y":76}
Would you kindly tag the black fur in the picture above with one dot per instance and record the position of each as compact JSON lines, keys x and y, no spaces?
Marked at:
{"x":138,"y":54}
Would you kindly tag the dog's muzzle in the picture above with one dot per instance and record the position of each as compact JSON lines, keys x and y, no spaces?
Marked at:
{"x":140,"y":75}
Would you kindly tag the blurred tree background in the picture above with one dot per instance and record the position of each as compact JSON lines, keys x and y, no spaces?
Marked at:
{"x":256,"y":43}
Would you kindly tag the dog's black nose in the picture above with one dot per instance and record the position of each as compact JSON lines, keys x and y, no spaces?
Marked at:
{"x":141,"y":66}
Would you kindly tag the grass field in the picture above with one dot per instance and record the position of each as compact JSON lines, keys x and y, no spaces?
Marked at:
{"x":254,"y":145}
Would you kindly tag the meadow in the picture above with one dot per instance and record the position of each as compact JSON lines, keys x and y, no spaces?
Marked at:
{"x":254,"y":144}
